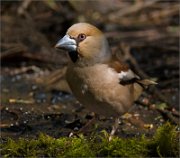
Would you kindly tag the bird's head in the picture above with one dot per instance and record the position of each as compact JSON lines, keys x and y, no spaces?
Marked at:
{"x":85,"y":44}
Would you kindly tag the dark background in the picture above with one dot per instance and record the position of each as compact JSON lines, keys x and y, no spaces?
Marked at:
{"x":34,"y":94}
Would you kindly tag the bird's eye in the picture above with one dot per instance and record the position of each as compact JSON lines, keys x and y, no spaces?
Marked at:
{"x":81,"y":37}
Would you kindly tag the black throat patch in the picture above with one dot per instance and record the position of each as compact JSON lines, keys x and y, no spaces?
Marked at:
{"x":73,"y":55}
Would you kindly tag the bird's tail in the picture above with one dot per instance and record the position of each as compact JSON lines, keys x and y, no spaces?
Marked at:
{"x":146,"y":82}
{"x":140,"y":85}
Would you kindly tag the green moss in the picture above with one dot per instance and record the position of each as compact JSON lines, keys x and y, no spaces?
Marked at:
{"x":164,"y":143}
{"x":46,"y":146}
{"x":118,"y":147}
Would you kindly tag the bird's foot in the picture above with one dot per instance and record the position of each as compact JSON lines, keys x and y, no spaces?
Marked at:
{"x":114,"y":128}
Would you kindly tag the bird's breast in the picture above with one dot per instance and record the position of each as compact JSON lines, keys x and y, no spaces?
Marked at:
{"x":97,"y":87}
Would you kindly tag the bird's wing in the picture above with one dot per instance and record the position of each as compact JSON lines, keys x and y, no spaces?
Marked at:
{"x":123,"y":70}
{"x":126,"y":75}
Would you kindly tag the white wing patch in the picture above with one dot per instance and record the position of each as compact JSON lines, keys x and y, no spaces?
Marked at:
{"x":127,"y":75}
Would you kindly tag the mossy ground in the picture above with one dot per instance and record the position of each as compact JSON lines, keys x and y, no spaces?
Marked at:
{"x":164,"y":144}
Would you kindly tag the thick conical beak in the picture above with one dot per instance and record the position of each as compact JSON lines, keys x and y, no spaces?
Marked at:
{"x":66,"y":43}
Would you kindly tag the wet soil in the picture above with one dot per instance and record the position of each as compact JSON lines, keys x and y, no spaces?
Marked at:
{"x":27,"y":109}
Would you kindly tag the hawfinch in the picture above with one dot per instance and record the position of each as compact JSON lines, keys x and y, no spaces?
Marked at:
{"x":96,"y":77}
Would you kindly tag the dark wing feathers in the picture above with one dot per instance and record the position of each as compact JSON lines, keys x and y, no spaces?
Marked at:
{"x":127,"y":76}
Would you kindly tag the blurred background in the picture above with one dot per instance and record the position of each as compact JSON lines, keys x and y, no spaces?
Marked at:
{"x":34,"y":94}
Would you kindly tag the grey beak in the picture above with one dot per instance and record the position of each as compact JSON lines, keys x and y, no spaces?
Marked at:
{"x":66,"y":43}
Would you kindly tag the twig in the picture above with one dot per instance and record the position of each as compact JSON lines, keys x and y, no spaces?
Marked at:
{"x":132,"y":9}
{"x":157,"y":17}
{"x":23,"y":6}
{"x":24,"y":70}
{"x":175,"y":113}
{"x":19,"y":49}
{"x":169,"y":82}
{"x":165,"y":113}
{"x":55,"y":76}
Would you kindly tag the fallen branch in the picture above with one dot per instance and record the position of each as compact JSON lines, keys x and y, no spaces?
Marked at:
{"x":16,"y":50}
{"x":168,"y":115}
{"x":132,"y":9}
{"x":23,"y":7}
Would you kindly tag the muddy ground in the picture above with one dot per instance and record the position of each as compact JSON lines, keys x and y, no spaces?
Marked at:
{"x":34,"y":96}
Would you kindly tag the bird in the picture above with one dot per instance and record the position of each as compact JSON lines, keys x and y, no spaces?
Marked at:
{"x":97,"y":78}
